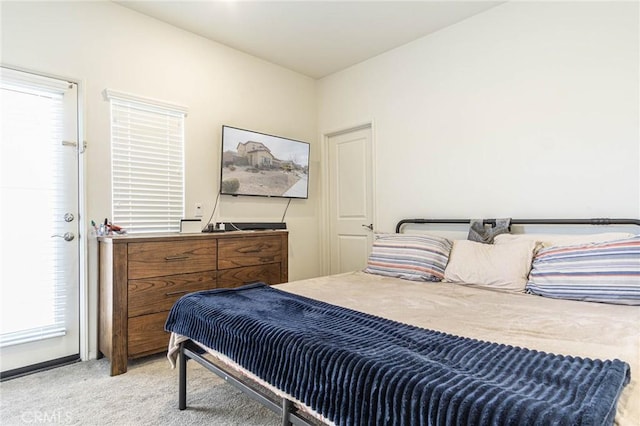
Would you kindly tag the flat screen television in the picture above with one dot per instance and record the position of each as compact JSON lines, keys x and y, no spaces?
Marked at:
{"x":257,"y":164}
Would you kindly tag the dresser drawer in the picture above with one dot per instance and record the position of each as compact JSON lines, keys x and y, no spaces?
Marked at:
{"x":147,"y":335}
{"x":149,"y":295}
{"x":235,"y":252}
{"x":269,"y":274}
{"x":155,"y":259}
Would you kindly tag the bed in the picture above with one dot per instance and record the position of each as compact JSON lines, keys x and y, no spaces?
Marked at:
{"x":489,"y":313}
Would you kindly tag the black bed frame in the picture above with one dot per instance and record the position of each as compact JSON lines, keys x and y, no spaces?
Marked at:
{"x":595,"y":221}
{"x":282,"y":406}
{"x":285,"y":407}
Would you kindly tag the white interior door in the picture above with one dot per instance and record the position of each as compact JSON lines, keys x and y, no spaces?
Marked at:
{"x":350,"y":199}
{"x":39,"y":249}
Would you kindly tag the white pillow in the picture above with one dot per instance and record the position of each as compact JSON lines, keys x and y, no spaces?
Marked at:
{"x":497,"y":266}
{"x":549,"y":240}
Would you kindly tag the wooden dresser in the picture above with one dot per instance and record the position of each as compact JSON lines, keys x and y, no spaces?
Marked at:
{"x":141,"y":277}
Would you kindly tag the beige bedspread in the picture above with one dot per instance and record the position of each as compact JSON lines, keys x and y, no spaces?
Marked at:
{"x":583,"y":329}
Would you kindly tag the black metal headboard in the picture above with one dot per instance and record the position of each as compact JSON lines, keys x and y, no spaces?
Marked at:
{"x":596,"y":221}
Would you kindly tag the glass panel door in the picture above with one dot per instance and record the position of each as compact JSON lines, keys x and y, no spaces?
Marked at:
{"x":39,"y":249}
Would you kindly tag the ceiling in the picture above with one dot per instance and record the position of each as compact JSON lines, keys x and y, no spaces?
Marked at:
{"x":315,"y":38}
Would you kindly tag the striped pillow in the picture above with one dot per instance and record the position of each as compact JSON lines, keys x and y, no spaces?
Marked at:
{"x":600,"y":272}
{"x":411,"y":257}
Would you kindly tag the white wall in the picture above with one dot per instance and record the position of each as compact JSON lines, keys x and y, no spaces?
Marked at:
{"x":530,"y":109}
{"x":108,"y":46}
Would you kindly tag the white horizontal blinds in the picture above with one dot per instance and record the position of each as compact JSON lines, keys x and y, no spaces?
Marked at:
{"x":147,"y":161}
{"x":31,"y":188}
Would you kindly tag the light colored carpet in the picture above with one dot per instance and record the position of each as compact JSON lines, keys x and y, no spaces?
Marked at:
{"x":147,"y":394}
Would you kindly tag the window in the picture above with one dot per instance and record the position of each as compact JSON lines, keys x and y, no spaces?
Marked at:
{"x":147,"y":163}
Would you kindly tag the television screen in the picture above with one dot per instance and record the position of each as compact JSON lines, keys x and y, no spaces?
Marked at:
{"x":258,"y":164}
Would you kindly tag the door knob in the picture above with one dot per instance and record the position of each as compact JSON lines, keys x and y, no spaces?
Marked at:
{"x":369,"y":226}
{"x":68,"y":236}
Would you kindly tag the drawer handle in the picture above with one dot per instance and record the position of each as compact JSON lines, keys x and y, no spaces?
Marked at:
{"x":173,"y":293}
{"x":179,"y":257}
{"x":256,"y":250}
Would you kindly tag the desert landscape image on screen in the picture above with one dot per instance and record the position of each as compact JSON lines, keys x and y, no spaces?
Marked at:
{"x":259,"y":164}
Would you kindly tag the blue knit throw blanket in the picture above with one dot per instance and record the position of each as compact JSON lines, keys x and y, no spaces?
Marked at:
{"x":359,"y":369}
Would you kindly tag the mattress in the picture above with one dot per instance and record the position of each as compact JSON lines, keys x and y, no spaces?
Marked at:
{"x":582,"y":329}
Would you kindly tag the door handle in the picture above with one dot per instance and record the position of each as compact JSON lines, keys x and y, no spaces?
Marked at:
{"x":369,"y":226}
{"x":68,"y":236}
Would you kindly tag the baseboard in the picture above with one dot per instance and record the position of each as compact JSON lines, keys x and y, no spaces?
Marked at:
{"x":42,"y":366}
